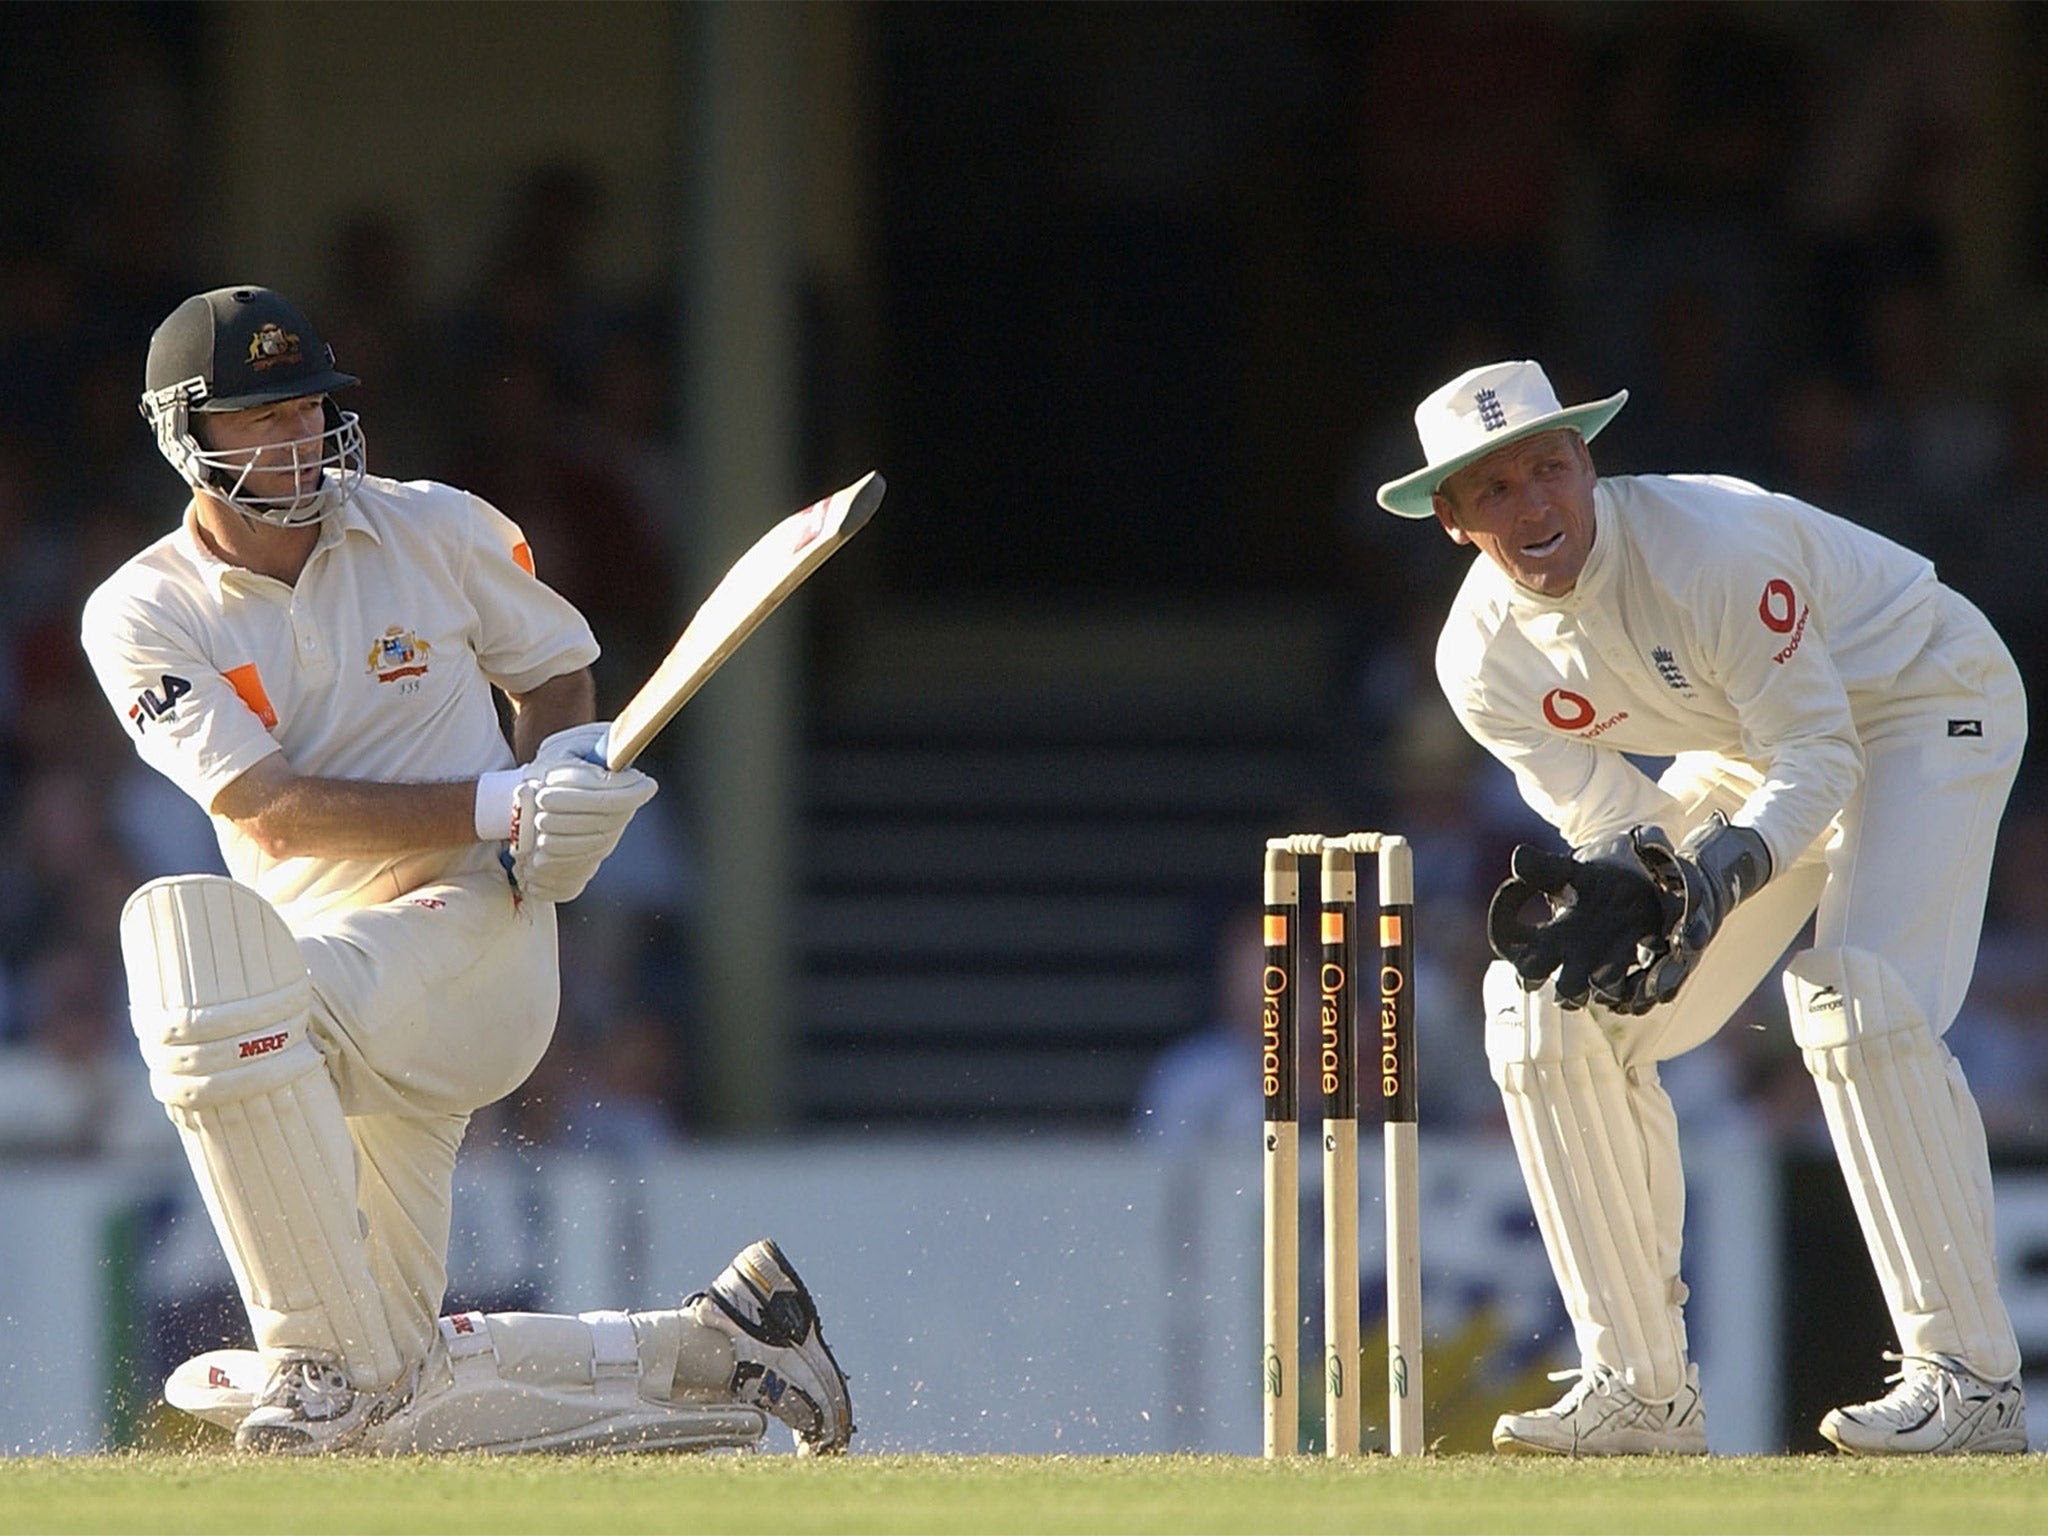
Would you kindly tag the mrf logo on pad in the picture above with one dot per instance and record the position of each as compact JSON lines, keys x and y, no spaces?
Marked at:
{"x":263,"y":1045}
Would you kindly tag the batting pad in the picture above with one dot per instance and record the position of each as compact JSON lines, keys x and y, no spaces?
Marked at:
{"x":221,"y":1386}
{"x":221,"y":1001}
{"x":507,"y":1382}
{"x":1599,"y":1152}
{"x":1911,"y":1144}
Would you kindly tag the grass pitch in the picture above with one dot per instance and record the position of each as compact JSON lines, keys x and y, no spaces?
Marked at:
{"x":992,"y":1495}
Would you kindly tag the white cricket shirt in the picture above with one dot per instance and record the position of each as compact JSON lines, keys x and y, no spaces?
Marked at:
{"x":1712,"y":616}
{"x":378,"y":664}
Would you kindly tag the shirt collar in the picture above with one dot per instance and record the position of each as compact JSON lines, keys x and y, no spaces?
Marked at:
{"x":1602,"y":561}
{"x":217,"y":573}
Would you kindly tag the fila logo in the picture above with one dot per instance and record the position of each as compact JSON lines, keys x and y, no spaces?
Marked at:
{"x":463,"y":1322}
{"x":1966,"y":727}
{"x":218,"y":1378}
{"x":263,"y":1045}
{"x":155,"y":703}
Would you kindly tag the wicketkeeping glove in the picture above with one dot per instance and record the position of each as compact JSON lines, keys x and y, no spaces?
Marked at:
{"x":1623,"y":926}
{"x":1699,"y":882}
{"x":1581,"y":919}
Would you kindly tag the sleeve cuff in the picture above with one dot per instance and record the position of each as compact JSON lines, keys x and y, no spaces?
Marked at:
{"x":495,"y":792}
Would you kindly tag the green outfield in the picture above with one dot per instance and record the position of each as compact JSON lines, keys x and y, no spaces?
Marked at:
{"x":989,"y":1495}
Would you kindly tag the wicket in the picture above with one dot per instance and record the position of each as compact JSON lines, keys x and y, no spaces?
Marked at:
{"x":1337,"y":1072}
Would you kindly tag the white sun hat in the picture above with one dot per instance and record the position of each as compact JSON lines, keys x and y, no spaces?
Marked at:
{"x":1482,"y":410}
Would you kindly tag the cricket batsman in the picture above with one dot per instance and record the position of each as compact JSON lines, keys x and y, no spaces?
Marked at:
{"x":1842,"y":730}
{"x":313,"y":655}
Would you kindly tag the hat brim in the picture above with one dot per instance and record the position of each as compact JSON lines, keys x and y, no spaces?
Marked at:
{"x":286,"y":389}
{"x":1412,"y":495}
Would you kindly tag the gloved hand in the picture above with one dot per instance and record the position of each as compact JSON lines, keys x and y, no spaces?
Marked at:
{"x":1624,"y":924}
{"x":561,"y":814}
{"x":584,"y":742}
{"x":1699,"y":882}
{"x":1597,"y":909}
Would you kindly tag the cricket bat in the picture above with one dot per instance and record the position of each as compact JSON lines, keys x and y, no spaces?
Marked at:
{"x":780,"y":561}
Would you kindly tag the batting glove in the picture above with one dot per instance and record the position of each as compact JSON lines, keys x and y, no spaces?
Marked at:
{"x":560,"y":815}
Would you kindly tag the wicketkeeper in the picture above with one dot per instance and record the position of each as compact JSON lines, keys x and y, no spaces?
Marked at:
{"x":1843,"y":732}
{"x":312,"y":656}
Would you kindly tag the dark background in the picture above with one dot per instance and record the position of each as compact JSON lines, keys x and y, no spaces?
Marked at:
{"x":1132,"y":304}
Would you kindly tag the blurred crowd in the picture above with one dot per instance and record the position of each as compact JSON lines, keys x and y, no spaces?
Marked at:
{"x":1784,"y":240}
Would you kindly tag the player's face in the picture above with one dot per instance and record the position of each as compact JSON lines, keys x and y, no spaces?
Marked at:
{"x":281,"y":442}
{"x":1528,"y":508}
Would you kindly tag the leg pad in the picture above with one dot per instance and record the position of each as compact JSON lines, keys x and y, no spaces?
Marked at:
{"x":1912,"y":1149}
{"x":221,"y":1004}
{"x":1599,"y":1152}
{"x":512,"y":1382}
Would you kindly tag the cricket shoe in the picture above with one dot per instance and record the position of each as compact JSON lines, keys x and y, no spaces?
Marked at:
{"x":1600,"y":1416}
{"x":308,"y":1408}
{"x":784,"y":1366}
{"x":1936,"y":1407}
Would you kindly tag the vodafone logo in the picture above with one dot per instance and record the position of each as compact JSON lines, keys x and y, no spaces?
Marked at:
{"x":1574,"y":712}
{"x":1779,"y":607}
{"x":1566,"y":710}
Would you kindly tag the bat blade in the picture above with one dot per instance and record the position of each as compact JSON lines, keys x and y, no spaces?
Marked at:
{"x":779,"y":562}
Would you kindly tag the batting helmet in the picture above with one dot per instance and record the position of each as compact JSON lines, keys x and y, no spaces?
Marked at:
{"x":234,"y":349}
